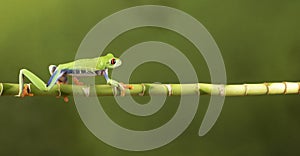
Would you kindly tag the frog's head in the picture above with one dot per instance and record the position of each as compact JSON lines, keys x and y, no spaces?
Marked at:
{"x":111,"y":61}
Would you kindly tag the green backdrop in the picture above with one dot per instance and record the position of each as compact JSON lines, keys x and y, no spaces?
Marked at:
{"x":259,"y":41}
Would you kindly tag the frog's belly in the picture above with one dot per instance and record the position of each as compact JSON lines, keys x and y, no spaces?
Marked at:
{"x":82,"y":73}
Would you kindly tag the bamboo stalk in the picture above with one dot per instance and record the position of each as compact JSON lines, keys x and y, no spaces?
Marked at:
{"x":10,"y":89}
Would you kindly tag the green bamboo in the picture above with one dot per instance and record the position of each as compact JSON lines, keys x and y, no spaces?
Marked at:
{"x":10,"y":89}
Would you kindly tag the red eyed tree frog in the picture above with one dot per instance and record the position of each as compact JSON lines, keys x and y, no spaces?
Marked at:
{"x":80,"y":68}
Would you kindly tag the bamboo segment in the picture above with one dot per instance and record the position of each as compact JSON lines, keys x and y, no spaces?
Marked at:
{"x":1,"y":88}
{"x":10,"y":89}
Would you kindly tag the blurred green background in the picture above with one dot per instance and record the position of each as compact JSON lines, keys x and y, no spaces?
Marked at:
{"x":259,"y":41}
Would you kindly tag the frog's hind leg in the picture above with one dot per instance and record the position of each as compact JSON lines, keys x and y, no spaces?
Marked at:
{"x":85,"y":89}
{"x":32,"y":78}
{"x":63,"y":79}
{"x":52,"y":69}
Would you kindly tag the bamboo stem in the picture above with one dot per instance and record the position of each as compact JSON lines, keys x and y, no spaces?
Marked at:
{"x":10,"y":89}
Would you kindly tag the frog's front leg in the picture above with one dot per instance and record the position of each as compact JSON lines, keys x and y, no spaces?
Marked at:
{"x":113,"y":83}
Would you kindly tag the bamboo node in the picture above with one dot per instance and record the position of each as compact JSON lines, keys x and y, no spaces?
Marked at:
{"x":267,"y":87}
{"x":246,"y":89}
{"x":169,"y":87}
{"x":1,"y":89}
{"x":143,"y":90}
{"x":285,"y":88}
{"x":198,"y":89}
{"x":221,"y":89}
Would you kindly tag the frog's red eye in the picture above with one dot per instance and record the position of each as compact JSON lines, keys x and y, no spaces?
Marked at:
{"x":113,"y":61}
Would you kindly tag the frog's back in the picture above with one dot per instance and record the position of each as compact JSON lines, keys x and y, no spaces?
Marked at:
{"x":81,"y":63}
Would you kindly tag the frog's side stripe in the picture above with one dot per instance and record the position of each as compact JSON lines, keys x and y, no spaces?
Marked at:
{"x":78,"y":72}
{"x":83,"y":73}
{"x":51,"y":78}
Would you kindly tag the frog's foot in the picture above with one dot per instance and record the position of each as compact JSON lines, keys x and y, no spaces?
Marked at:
{"x":121,"y":87}
{"x":77,"y":82}
{"x":86,"y":90}
{"x":26,"y":91}
{"x":126,"y":86}
{"x":66,"y":99}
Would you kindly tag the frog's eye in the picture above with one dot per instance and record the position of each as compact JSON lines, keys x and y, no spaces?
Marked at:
{"x":113,"y":61}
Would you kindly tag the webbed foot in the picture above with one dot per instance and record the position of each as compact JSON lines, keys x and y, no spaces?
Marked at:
{"x":119,"y":86}
{"x":77,"y":82}
{"x":66,"y":99}
{"x":26,"y":91}
{"x":86,"y":90}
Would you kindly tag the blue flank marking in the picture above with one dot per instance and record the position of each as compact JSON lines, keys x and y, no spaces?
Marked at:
{"x":76,"y":71}
{"x":69,"y":71}
{"x":81,"y":71}
{"x":50,"y":80}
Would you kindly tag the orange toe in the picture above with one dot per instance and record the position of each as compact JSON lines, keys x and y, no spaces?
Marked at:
{"x":130,"y":87}
{"x":26,"y":91}
{"x":77,"y":82}
{"x":66,"y":99}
